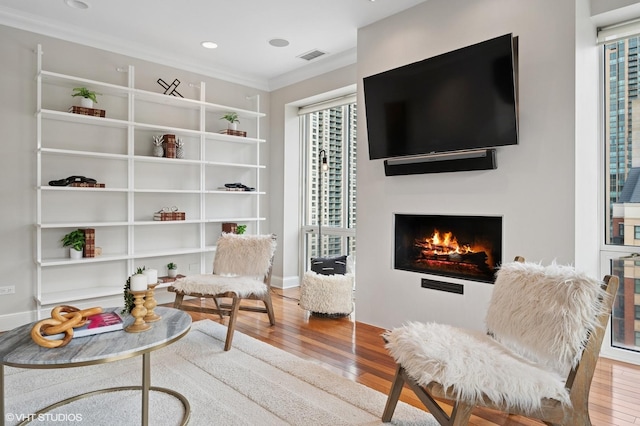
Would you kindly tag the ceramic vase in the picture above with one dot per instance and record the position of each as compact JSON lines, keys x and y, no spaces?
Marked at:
{"x":75,"y":254}
{"x":86,"y":102}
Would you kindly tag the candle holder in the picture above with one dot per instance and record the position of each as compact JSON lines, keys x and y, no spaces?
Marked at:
{"x":150,"y":304}
{"x":138,"y":312}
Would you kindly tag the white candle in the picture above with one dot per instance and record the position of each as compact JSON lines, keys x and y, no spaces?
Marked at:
{"x":152,"y":275}
{"x":138,"y":282}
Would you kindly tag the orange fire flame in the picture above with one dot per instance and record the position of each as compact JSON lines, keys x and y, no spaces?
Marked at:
{"x":447,"y":244}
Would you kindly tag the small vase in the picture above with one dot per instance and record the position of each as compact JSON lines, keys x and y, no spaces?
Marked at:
{"x":86,"y":102}
{"x":179,"y":148}
{"x":75,"y":254}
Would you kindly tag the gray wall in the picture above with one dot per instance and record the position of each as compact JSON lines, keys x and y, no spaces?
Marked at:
{"x":285,"y":161}
{"x":18,"y":159}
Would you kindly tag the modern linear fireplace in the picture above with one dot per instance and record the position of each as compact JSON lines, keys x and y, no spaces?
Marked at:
{"x":467,"y":247}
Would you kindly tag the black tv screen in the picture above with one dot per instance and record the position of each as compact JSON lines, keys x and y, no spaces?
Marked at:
{"x":460,"y":100}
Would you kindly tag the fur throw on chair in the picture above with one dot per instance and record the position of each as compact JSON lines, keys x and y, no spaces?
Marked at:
{"x":473,"y":365}
{"x":545,"y":312}
{"x":538,"y":321}
{"x":218,"y":284}
{"x":247,"y":255}
{"x":240,"y":265}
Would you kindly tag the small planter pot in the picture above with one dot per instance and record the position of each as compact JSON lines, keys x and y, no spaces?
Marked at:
{"x":75,"y":254}
{"x":86,"y":102}
{"x":233,"y":126}
{"x":173,"y":273}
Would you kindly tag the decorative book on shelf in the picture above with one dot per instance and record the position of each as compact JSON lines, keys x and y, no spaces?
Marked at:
{"x":89,"y":249}
{"x":87,"y":185}
{"x":234,"y":132}
{"x":169,"y":216}
{"x":167,"y":279}
{"x":169,"y":145}
{"x":229,"y":227}
{"x":96,"y":324}
{"x":87,"y":111}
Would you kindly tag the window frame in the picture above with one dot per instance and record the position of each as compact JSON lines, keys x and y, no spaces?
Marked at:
{"x":608,"y":250}
{"x":308,"y":231}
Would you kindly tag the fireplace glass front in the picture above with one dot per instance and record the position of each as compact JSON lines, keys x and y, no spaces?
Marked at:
{"x":467,"y":247}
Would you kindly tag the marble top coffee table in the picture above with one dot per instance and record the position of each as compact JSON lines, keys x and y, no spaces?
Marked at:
{"x":17,"y":349}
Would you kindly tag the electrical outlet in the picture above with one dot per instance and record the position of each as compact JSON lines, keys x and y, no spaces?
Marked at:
{"x":10,"y":289}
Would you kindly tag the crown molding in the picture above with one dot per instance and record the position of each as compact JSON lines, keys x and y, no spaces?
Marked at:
{"x":324,"y":65}
{"x":31,"y":23}
{"x":10,"y":18}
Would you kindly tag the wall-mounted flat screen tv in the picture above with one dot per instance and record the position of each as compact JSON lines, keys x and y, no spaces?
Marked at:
{"x":461,"y":100}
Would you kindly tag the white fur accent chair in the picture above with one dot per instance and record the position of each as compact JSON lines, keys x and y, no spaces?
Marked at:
{"x":545,"y":328}
{"x":241,"y":270}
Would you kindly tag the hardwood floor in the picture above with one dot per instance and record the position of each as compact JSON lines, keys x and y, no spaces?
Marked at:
{"x":355,"y":351}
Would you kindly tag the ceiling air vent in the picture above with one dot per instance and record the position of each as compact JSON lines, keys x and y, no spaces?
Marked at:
{"x":309,"y":56}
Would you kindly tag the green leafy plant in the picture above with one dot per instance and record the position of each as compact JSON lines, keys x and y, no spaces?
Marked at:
{"x":231,"y":117}
{"x":172,"y":266}
{"x":74,"y":239}
{"x":240,"y":229}
{"x":128,"y":297}
{"x":86,"y":93}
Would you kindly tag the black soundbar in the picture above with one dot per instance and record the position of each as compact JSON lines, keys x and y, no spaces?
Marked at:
{"x":442,"y":163}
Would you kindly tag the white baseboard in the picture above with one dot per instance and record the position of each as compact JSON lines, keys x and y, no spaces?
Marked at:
{"x":288,"y":282}
{"x":11,"y":321}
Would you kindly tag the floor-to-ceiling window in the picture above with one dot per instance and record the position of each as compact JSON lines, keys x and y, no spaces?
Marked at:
{"x":621,"y":155}
{"x":329,"y":178}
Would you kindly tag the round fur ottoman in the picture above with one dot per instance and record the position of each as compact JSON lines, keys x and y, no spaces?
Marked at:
{"x":327,"y":295}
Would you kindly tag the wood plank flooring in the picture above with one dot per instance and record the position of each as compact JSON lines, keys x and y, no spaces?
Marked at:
{"x":355,"y":351}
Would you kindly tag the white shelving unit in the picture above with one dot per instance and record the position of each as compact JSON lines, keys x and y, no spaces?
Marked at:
{"x":117,"y":150}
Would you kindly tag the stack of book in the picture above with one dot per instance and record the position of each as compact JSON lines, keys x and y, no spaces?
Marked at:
{"x":87,"y":185}
{"x":169,"y":216}
{"x":234,"y":132}
{"x":87,"y":111}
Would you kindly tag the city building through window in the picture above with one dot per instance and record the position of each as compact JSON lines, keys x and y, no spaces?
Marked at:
{"x":622,"y":185}
{"x":329,"y":180}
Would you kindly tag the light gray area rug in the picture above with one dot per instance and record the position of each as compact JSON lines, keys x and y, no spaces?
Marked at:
{"x":253,"y":383}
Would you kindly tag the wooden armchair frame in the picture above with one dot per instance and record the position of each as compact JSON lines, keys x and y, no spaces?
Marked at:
{"x":551,"y":411}
{"x":229,"y":309}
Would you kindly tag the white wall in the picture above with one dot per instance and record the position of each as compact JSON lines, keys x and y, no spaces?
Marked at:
{"x":533,"y":188}
{"x":18,"y":159}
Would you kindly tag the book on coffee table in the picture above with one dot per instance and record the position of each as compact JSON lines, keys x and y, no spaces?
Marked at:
{"x":96,"y":324}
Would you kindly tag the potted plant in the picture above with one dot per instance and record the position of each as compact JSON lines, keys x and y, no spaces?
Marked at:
{"x":240,"y":229}
{"x":173,"y":269}
{"x":75,"y":241}
{"x":87,"y":97}
{"x":232,"y":118}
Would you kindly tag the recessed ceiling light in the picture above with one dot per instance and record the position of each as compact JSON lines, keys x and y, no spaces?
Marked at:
{"x":209,"y":44}
{"x":278,"y":42}
{"x":77,"y":4}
